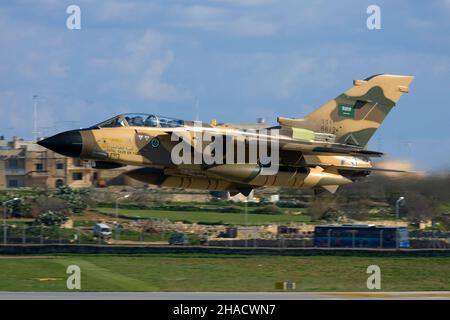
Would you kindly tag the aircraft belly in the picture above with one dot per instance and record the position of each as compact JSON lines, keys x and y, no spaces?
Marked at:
{"x":196,"y":183}
{"x":254,"y":175}
{"x":169,"y":178}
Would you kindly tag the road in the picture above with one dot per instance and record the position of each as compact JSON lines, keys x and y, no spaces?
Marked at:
{"x":427,"y":295}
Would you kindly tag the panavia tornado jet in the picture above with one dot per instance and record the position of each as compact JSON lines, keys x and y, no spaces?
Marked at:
{"x":324,"y":150}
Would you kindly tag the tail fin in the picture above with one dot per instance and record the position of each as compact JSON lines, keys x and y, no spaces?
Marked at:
{"x":355,"y":115}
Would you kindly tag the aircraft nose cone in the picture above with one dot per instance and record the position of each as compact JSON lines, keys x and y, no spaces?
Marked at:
{"x":67,"y":143}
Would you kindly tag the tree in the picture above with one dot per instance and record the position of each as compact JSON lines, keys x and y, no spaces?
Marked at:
{"x":16,"y":204}
{"x":43,"y":204}
{"x":19,"y":208}
{"x":77,"y":199}
{"x":51,"y":218}
{"x":325,"y":207}
{"x":357,"y":209}
{"x":419,"y":207}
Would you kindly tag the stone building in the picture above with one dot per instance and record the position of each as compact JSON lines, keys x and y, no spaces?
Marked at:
{"x":26,"y":164}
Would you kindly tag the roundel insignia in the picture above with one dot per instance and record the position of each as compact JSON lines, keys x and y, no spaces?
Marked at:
{"x":155,"y":142}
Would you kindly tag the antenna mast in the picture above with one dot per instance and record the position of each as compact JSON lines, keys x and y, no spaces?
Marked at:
{"x":35,"y":118}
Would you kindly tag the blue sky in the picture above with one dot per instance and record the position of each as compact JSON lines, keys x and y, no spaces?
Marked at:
{"x":240,"y":59}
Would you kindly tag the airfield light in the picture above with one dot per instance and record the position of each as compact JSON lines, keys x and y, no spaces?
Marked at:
{"x":117,"y":212}
{"x":35,"y":133}
{"x":246,"y":222}
{"x":400,"y":201}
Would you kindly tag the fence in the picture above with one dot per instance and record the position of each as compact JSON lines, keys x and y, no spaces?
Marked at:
{"x":26,"y":234}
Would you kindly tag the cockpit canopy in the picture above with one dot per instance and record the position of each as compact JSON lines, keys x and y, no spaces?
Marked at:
{"x":140,"y":120}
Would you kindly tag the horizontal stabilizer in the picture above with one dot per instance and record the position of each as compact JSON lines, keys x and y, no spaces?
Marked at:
{"x":356,"y":168}
{"x":388,"y":170}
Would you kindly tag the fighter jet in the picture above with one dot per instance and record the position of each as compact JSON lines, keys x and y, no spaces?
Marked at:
{"x":324,"y":150}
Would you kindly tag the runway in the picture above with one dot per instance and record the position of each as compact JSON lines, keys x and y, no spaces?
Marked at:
{"x":422,"y":295}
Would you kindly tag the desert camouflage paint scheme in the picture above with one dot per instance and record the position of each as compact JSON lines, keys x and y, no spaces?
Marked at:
{"x":355,"y":115}
{"x":324,"y":150}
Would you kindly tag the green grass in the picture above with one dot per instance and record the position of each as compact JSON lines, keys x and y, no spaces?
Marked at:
{"x":211,"y":217}
{"x":207,"y":272}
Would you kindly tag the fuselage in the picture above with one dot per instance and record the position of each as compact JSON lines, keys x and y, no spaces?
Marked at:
{"x":325,"y":149}
{"x":123,"y":141}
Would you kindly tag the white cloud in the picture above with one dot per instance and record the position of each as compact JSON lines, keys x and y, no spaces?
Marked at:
{"x":252,"y":26}
{"x":25,"y":70}
{"x":125,"y":10}
{"x":201,"y":12}
{"x":149,"y":43}
{"x":297,"y":70}
{"x":446,"y":3}
{"x":281,"y":75}
{"x":245,"y":3}
{"x":58,"y":69}
{"x":222,"y":20}
{"x":152,"y":87}
{"x":143,"y":67}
